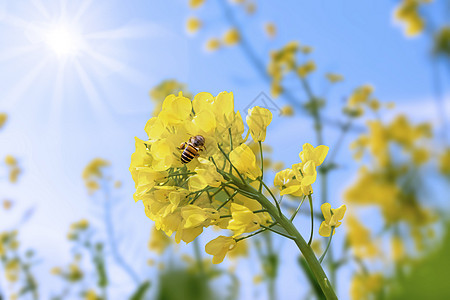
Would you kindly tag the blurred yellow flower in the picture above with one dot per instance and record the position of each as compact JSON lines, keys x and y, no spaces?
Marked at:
{"x":219,"y":248}
{"x":159,"y":241}
{"x":332,"y":217}
{"x":212,"y":44}
{"x":287,"y":110}
{"x":3,"y":119}
{"x":270,"y":29}
{"x":250,"y":8}
{"x":258,"y":119}
{"x":365,"y":286}
{"x":231,"y":37}
{"x":90,"y":295}
{"x":444,"y":162}
{"x":360,"y":239}
{"x":193,"y":24}
{"x":333,"y":78}
{"x":196,"y":3}
{"x":408,"y":14}
{"x":12,"y":270}
{"x":93,"y":172}
{"x":305,"y":69}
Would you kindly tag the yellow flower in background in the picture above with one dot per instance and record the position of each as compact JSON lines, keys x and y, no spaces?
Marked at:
{"x":397,"y":249}
{"x":196,"y":3}
{"x":10,"y":161}
{"x":159,"y":241}
{"x":258,"y":119}
{"x":90,"y":295}
{"x":219,"y":248}
{"x":231,"y":37}
{"x":305,"y":69}
{"x":408,"y":14}
{"x":244,"y":160}
{"x":270,"y":29}
{"x":365,"y":286}
{"x":360,"y":239}
{"x":93,"y":173}
{"x":333,"y":78}
{"x":287,"y":110}
{"x":193,"y":24}
{"x":3,"y":119}
{"x":250,"y":8}
{"x":332,"y":217}
{"x":306,"y":50}
{"x":212,"y":44}
{"x":444,"y":162}
{"x":12,"y":270}
{"x":242,"y":220}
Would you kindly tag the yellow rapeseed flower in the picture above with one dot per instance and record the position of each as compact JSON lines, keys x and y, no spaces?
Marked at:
{"x":242,"y":220}
{"x":332,"y":217}
{"x":219,"y":248}
{"x":258,"y":119}
{"x":244,"y":160}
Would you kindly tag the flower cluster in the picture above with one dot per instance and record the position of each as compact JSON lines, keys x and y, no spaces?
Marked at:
{"x":186,"y":198}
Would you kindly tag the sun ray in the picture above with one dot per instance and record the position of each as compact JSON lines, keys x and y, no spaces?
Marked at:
{"x":92,"y":93}
{"x":15,"y":52}
{"x":23,"y":85}
{"x":41,"y":8}
{"x":82,"y":9}
{"x":130,"y":31}
{"x":130,"y":74}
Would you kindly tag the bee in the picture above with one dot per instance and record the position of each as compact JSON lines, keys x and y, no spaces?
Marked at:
{"x":191,"y":148}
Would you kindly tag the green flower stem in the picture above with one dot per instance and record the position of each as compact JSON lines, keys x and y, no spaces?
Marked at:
{"x":227,"y":158}
{"x":306,"y":250}
{"x":296,"y":211}
{"x":262,"y":166}
{"x":274,"y":199}
{"x":312,"y":219}
{"x":277,"y":232}
{"x":328,"y":245}
{"x":230,"y":197}
{"x":255,"y":233}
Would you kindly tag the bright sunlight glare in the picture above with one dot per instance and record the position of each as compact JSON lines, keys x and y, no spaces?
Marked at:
{"x":63,"y":40}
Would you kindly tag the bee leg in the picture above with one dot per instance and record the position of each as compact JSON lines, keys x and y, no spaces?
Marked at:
{"x":182,"y":146}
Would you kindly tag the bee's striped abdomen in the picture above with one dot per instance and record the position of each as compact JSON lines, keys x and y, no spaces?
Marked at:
{"x":188,"y":154}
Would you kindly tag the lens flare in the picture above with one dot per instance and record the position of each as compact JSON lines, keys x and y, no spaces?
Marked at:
{"x":63,"y":40}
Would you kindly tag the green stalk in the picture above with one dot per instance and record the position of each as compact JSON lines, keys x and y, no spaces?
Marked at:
{"x":306,"y":250}
{"x":312,"y":219}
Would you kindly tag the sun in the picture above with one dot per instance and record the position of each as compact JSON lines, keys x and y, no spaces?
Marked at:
{"x":63,"y":40}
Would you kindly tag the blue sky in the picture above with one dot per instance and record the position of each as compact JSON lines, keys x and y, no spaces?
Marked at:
{"x":62,"y":117}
